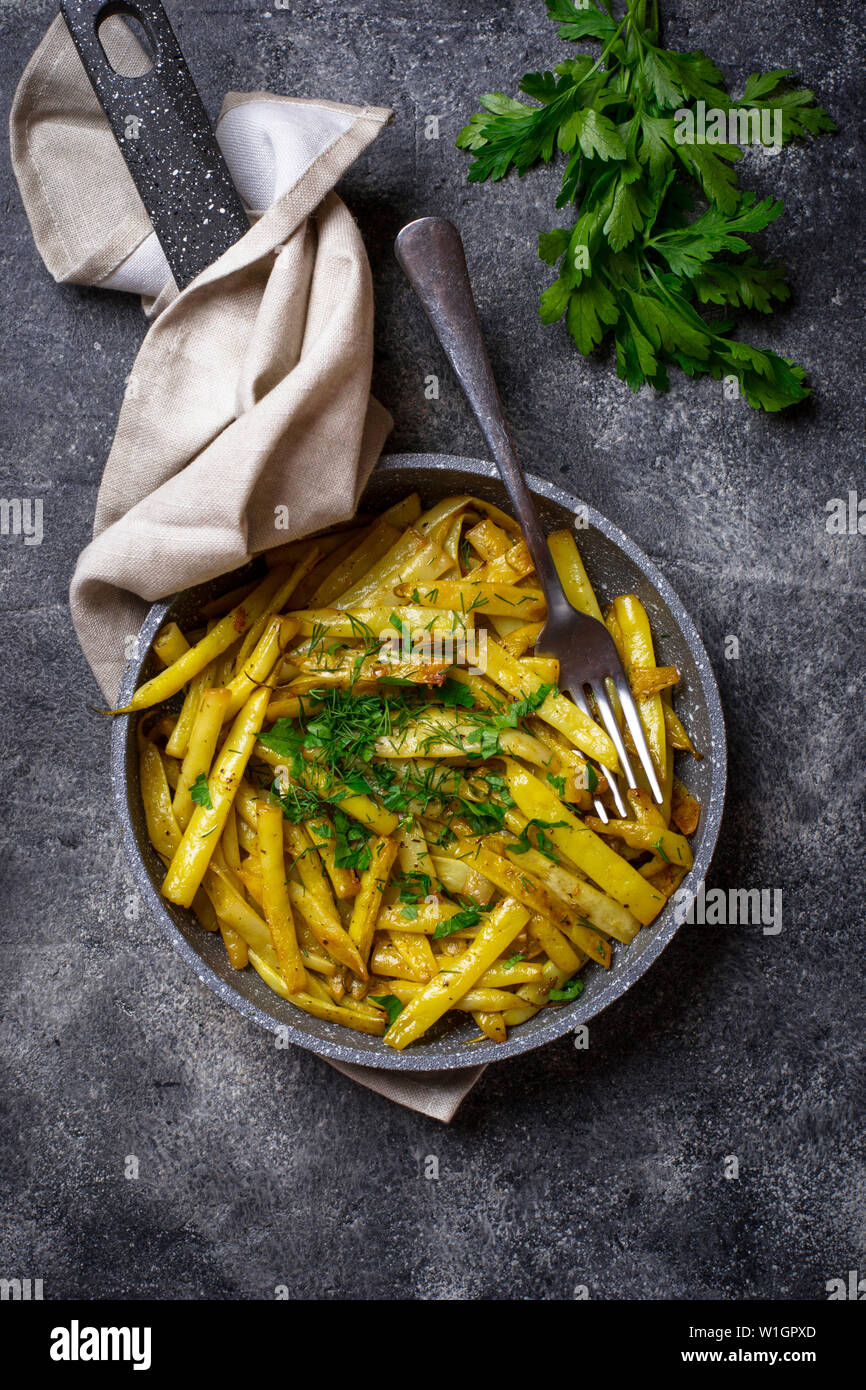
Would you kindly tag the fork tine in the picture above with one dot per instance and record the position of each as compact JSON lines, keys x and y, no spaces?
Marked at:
{"x":605,"y":709}
{"x":615,"y":793}
{"x":632,"y":718}
{"x":579,"y":699}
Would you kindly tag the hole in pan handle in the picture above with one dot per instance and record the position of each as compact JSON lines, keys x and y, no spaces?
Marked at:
{"x":164,"y":135}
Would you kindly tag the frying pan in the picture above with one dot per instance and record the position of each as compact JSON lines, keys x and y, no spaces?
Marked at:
{"x":170,"y":149}
{"x":615,"y":566}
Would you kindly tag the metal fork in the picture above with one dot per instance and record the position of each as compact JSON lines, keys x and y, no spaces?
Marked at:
{"x":431,"y":254}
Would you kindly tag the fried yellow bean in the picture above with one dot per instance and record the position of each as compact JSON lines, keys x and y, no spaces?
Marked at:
{"x":491,"y":1025}
{"x":169,"y":644}
{"x":520,"y":639}
{"x":373,"y":545}
{"x":200,"y":752}
{"x":415,"y":950}
{"x":366,"y":907}
{"x":277,"y":905}
{"x":320,"y":1008}
{"x":162,"y":826}
{"x":276,"y":603}
{"x":469,"y":596}
{"x":345,"y":882}
{"x":212,"y":645}
{"x":556,"y":710}
{"x":572,"y":574}
{"x":638,"y":644}
{"x":554,"y":943}
{"x":178,"y":740}
{"x":677,"y":735}
{"x":321,"y":914}
{"x":582,"y":897}
{"x":577,"y":842}
{"x":673,"y":848}
{"x":193,"y":854}
{"x":534,"y":894}
{"x":260,"y":663}
{"x":441,"y":994}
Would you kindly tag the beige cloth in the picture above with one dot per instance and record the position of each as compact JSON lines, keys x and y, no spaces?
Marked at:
{"x":250,"y":394}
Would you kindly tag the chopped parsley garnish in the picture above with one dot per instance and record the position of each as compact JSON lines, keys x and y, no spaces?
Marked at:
{"x":390,"y":1003}
{"x":464,"y":920}
{"x":200,"y":792}
{"x":451,"y":692}
{"x":543,"y":842}
{"x":570,"y":990}
{"x":351,"y":849}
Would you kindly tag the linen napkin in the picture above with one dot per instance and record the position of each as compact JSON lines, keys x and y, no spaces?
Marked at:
{"x":249,"y":399}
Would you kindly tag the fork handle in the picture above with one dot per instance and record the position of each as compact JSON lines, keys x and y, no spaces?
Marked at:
{"x":431,"y":254}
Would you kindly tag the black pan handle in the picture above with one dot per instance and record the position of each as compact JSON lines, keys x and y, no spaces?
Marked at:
{"x":165,"y":137}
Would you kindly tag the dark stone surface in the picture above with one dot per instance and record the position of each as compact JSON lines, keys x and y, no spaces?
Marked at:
{"x":604,"y":1168}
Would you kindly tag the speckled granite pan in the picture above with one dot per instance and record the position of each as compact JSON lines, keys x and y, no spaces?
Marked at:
{"x":615,"y":566}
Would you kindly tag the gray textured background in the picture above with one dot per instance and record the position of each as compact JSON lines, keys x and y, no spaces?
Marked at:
{"x":603,"y":1168}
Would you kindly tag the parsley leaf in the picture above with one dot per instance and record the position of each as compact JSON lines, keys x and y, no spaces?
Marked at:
{"x":464,"y":920}
{"x":543,"y":843}
{"x":570,"y":990}
{"x":390,"y":1003}
{"x":351,"y":850}
{"x":284,"y":739}
{"x":451,"y":692}
{"x":200,"y":792}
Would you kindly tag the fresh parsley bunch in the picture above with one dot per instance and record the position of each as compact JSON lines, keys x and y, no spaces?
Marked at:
{"x":636,"y":263}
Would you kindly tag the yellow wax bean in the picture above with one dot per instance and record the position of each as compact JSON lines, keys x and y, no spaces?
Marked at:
{"x":277,"y":905}
{"x":178,"y":741}
{"x":468,"y":596}
{"x":598,"y":861}
{"x":416,"y":951}
{"x":442,"y":993}
{"x":345,"y":882}
{"x":212,"y":645}
{"x":572,"y":575}
{"x":193,"y":855}
{"x":200,"y":752}
{"x":492,"y":1025}
{"x":311,"y":1004}
{"x":159,"y":817}
{"x":365,"y":909}
{"x":321,"y":911}
{"x":169,"y":644}
{"x":276,"y":603}
{"x":260,"y":663}
{"x":638,"y":644}
{"x":672,"y":847}
{"x":556,"y":710}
